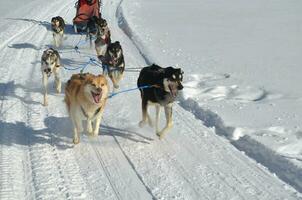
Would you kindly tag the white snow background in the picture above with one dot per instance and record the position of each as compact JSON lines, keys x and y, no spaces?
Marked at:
{"x":237,"y":130}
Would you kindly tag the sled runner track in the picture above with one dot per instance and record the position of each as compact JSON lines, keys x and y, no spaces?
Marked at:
{"x":102,"y":163}
{"x":92,"y":172}
{"x":199,"y":191}
{"x":125,"y":183}
{"x":132,"y":165}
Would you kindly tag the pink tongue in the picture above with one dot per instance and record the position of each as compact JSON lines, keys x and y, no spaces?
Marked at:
{"x":96,"y":97}
{"x":173,"y":91}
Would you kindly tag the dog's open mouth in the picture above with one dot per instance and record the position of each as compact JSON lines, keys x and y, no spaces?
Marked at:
{"x":173,"y":90}
{"x":96,"y":96}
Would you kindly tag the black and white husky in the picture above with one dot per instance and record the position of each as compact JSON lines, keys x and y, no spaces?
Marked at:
{"x":102,"y":38}
{"x":163,"y":85}
{"x":113,"y":63}
{"x":50,"y":63}
{"x":57,"y":25}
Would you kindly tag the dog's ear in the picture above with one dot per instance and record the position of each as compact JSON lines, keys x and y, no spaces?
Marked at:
{"x":117,"y":42}
{"x":169,"y":71}
{"x":179,"y":71}
{"x":53,"y":21}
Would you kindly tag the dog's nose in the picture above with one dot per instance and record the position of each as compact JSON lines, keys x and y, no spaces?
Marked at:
{"x":180,"y":87}
{"x":99,"y":89}
{"x":47,"y":70}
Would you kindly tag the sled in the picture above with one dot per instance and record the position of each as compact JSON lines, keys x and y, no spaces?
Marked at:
{"x":86,"y":9}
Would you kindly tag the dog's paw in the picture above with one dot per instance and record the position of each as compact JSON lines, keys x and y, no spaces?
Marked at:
{"x":45,"y":104}
{"x":160,"y":135}
{"x":95,"y":133}
{"x":76,"y":141}
{"x":90,"y":133}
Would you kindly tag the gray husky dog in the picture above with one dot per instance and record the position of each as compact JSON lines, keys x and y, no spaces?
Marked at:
{"x":50,"y":63}
{"x":57,"y":26}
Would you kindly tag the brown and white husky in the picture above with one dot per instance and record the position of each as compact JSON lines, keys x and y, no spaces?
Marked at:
{"x":85,"y":97}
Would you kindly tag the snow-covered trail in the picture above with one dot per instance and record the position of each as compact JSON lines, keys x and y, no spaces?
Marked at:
{"x":38,"y":160}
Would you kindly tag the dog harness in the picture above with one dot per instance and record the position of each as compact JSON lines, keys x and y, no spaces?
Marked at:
{"x":95,"y":113}
{"x":111,"y":68}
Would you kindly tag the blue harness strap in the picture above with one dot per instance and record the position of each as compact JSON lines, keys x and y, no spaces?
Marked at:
{"x":82,"y":42}
{"x":128,"y":90}
{"x":76,"y":68}
{"x":91,"y":61}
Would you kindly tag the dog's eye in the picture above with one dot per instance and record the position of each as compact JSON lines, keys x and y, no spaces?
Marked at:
{"x":94,"y":85}
{"x":102,"y":84}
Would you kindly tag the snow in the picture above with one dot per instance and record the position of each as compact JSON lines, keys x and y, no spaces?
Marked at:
{"x":236,"y":132}
{"x":242,"y":62}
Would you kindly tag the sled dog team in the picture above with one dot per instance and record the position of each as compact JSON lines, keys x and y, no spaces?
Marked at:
{"x":86,"y":94}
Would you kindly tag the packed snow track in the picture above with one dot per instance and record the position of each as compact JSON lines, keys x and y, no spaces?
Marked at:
{"x":39,"y":161}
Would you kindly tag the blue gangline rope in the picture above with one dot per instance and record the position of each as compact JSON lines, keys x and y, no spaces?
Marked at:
{"x":97,"y":63}
{"x":82,"y":42}
{"x":84,"y":66}
{"x":129,"y":90}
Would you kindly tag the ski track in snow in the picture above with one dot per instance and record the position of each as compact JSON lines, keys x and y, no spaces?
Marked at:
{"x":38,"y":160}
